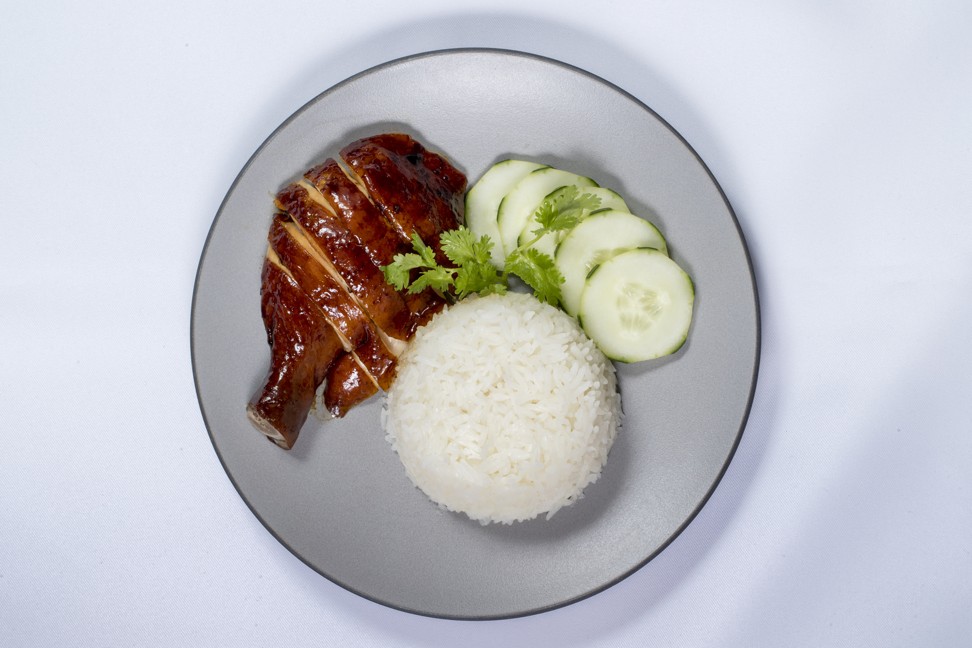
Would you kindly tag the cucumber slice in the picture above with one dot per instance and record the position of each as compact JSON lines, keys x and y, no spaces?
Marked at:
{"x":524,"y":198}
{"x":594,"y":240}
{"x":637,"y":305}
{"x":610,"y":199}
{"x":548,"y":243}
{"x":484,"y":197}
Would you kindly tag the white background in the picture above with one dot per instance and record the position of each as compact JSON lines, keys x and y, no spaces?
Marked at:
{"x":841,"y":133}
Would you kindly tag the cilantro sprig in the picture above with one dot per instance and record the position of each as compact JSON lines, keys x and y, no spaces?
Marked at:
{"x":561,"y":210}
{"x":537,"y":270}
{"x":473,"y":272}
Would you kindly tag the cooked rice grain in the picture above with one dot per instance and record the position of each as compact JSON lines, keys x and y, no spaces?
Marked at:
{"x":502,"y":409}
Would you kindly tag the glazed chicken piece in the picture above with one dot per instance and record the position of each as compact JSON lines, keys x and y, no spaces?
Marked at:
{"x":331,"y":318}
{"x":347,"y":261}
{"x":363,"y":220}
{"x":312,"y":324}
{"x":289,"y":249}
{"x":417,"y":190}
{"x":302,"y":347}
{"x":347,"y":385}
{"x":356,"y":330}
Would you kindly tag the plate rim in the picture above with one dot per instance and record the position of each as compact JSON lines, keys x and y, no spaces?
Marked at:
{"x":597,"y":79}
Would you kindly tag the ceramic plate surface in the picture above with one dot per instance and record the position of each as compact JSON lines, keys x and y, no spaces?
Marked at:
{"x":340,"y":500}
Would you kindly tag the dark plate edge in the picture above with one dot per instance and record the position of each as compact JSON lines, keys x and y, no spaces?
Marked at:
{"x":536,"y":57}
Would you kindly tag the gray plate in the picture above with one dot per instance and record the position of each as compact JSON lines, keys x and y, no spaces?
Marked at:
{"x":340,"y":500}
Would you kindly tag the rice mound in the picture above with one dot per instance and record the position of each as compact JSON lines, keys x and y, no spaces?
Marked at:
{"x":502,"y":409}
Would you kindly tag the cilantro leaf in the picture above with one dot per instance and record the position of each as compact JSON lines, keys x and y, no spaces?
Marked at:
{"x":562,"y":209}
{"x":498,"y":287}
{"x":538,"y":271}
{"x":472,"y":272}
{"x":398,"y":272}
{"x":437,"y":278}
{"x":478,"y":277}
{"x":424,"y":251}
{"x":461,"y":246}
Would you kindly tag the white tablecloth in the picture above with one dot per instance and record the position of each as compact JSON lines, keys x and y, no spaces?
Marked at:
{"x":841,"y":134}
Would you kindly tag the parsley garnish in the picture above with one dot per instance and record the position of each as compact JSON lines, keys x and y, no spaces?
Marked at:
{"x":538,"y":271}
{"x":563,"y":209}
{"x":397,"y":272}
{"x":472,"y":271}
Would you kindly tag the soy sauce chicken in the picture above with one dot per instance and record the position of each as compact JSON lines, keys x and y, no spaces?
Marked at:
{"x":333,"y":323}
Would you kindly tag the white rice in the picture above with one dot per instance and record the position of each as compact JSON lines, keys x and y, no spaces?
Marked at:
{"x":502,"y":409}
